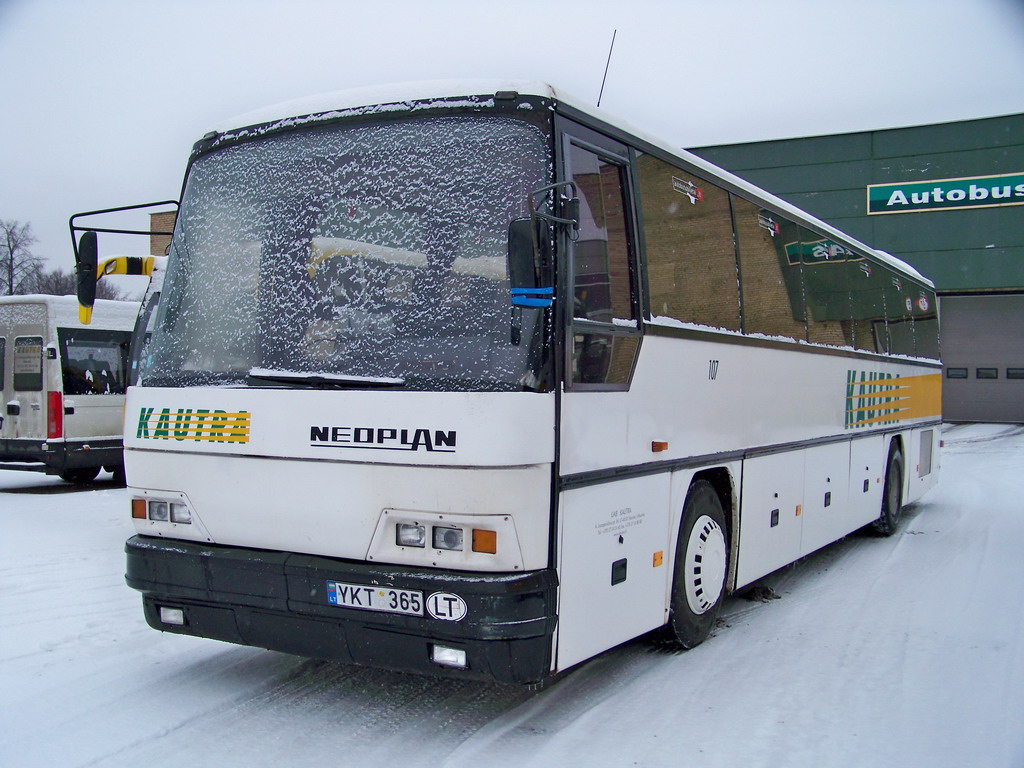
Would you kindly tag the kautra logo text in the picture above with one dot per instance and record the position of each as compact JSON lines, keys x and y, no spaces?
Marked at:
{"x":209,"y":425}
{"x":384,"y":438}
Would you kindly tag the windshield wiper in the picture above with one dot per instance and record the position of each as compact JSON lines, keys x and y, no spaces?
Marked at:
{"x":319,"y":380}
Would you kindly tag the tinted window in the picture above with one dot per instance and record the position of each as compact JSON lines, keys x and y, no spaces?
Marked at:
{"x":602,"y":288}
{"x":826,"y":267}
{"x":94,"y":362}
{"x":603,"y":358}
{"x":691,"y":255}
{"x":773,"y":301}
{"x":603,"y":281}
{"x":867,"y":303}
{"x":987,"y":373}
{"x":956,"y":373}
{"x":926,"y":324}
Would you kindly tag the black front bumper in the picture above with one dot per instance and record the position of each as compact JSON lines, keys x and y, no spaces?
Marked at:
{"x":278,"y":600}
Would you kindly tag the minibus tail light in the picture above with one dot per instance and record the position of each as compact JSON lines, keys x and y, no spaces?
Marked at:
{"x":54,"y":415}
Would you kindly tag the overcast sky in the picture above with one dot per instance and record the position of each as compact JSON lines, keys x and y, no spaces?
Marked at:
{"x":102,"y":99}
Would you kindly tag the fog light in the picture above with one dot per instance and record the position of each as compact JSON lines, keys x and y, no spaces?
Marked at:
{"x":449,"y":657}
{"x":159,"y":511}
{"x":180,"y":514}
{"x":410,"y":535}
{"x":448,"y":538}
{"x":174,"y":616}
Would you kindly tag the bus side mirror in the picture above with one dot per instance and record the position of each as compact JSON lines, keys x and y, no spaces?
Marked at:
{"x":85,"y":268}
{"x":531,"y":282}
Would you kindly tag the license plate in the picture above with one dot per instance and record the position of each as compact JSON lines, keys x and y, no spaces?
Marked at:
{"x":383,"y":599}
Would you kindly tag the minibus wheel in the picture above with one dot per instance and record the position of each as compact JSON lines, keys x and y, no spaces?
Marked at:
{"x":81,"y":475}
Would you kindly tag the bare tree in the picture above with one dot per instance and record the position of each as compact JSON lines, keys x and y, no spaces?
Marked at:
{"x":18,"y":265}
{"x":61,"y":283}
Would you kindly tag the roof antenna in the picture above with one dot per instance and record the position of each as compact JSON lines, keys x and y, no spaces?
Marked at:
{"x":610,"y":48}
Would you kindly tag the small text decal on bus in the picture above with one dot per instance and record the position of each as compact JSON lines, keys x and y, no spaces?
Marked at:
{"x":384,"y":438}
{"x":198,"y":424}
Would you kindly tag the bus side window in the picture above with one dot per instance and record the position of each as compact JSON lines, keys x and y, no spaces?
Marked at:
{"x":605,"y":338}
{"x":926,"y":324}
{"x":602,"y":271}
{"x":691,"y":254}
{"x":770,"y":271}
{"x":824,"y":263}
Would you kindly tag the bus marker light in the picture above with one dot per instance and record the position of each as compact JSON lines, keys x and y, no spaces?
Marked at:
{"x":485,"y":541}
{"x":659,"y":558}
{"x":657,"y":446}
{"x":448,"y":538}
{"x":410,"y":535}
{"x":799,"y":509}
{"x":174,"y":616}
{"x":139,"y":509}
{"x":449,"y":657}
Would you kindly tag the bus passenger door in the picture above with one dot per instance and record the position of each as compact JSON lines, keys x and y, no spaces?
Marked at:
{"x":609,"y":529}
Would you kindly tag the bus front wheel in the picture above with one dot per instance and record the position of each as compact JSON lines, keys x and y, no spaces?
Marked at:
{"x":701,"y":564}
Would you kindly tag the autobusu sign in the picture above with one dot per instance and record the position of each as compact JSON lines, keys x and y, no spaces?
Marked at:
{"x":945,"y":194}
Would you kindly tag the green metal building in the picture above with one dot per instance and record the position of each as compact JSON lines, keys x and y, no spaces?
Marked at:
{"x":946,"y":198}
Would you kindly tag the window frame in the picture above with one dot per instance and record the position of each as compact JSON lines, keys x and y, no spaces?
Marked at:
{"x":607,"y":149}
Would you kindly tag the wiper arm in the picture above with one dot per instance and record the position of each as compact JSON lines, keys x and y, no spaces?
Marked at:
{"x":319,"y":380}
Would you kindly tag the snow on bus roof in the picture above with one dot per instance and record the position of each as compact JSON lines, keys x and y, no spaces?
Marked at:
{"x":398,"y":96}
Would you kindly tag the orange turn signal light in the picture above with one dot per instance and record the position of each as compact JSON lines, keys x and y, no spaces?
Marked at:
{"x":139,"y":509}
{"x":657,"y":446}
{"x":485,"y":541}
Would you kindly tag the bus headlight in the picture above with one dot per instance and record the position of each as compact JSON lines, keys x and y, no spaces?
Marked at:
{"x":180,"y":513}
{"x":448,"y":538}
{"x":159,"y":511}
{"x":410,"y":535}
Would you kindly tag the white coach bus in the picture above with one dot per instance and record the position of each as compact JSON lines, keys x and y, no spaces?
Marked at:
{"x":472,"y":379}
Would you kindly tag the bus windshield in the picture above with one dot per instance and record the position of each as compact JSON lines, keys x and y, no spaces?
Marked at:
{"x":353,"y":256}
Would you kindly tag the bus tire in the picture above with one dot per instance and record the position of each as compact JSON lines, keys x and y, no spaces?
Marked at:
{"x":701,"y":565}
{"x":82,"y":475}
{"x":892,"y":494}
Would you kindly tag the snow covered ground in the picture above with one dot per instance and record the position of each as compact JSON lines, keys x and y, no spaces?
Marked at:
{"x":907,"y":651}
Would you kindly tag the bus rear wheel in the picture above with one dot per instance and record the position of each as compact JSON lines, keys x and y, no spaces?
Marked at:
{"x":892,"y":494}
{"x":701,"y":564}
